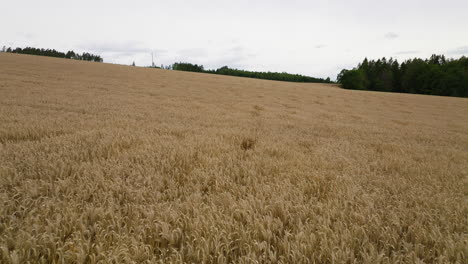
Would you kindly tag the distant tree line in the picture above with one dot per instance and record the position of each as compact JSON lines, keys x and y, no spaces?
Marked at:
{"x":53,"y":53}
{"x":435,"y":76}
{"x":277,"y":76}
{"x":181,"y":66}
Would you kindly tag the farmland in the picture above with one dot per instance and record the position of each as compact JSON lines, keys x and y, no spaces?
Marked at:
{"x":111,"y":163}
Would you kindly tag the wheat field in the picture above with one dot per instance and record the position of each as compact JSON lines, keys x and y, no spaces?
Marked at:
{"x":105,"y":163}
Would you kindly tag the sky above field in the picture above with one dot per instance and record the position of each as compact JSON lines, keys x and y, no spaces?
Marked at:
{"x":316,"y":38}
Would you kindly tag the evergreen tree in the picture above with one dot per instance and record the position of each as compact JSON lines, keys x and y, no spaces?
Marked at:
{"x":54,"y":53}
{"x":353,"y":79}
{"x":436,"y":76}
{"x":225,"y":70}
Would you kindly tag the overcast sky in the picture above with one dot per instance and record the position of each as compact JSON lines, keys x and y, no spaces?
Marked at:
{"x":316,"y":38}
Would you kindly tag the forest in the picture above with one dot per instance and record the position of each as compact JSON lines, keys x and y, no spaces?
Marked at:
{"x":225,"y":70}
{"x":54,"y":53}
{"x":434,"y":76}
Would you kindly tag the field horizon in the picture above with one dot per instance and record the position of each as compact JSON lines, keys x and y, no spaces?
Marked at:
{"x":106,"y":163}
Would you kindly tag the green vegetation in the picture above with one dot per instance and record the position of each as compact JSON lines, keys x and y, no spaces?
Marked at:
{"x":54,"y":53}
{"x":434,"y":76}
{"x":181,"y":66}
{"x":225,"y":70}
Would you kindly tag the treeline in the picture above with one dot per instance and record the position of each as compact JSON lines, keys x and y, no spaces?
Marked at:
{"x":54,"y":53}
{"x":276,"y":76}
{"x":181,"y":66}
{"x":435,"y":76}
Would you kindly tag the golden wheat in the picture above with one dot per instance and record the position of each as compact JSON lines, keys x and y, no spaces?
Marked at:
{"x":113,"y":164}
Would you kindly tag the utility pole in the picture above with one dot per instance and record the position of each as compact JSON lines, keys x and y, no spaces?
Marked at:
{"x":152,"y":60}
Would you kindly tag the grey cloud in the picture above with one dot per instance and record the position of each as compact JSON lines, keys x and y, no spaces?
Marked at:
{"x":231,"y":62}
{"x":459,"y":51}
{"x":124,"y":52}
{"x":234,"y":57}
{"x":201,"y":54}
{"x":404,"y":52}
{"x":27,"y":36}
{"x":344,"y":66}
{"x":120,"y":48}
{"x":195,"y":53}
{"x":391,"y":35}
{"x":236,"y":49}
{"x":320,"y":46}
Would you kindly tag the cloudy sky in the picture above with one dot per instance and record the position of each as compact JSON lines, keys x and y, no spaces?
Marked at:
{"x":316,"y":38}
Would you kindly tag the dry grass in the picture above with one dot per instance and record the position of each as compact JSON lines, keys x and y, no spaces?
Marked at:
{"x":114,"y":164}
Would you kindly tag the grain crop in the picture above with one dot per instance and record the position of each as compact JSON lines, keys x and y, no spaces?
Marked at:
{"x":104,"y":163}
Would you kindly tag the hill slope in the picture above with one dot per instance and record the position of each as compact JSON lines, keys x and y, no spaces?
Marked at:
{"x":109,"y":162}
